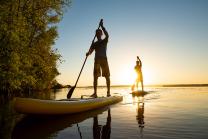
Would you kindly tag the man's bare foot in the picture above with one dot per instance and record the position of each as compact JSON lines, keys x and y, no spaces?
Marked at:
{"x":94,"y":95}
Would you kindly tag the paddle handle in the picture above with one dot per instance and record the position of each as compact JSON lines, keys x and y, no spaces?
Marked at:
{"x":101,"y":20}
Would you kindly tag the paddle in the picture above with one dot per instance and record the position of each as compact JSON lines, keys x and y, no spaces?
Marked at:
{"x":72,"y":88}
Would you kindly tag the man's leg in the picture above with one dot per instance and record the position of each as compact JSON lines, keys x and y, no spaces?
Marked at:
{"x":95,"y":87}
{"x":96,"y":73}
{"x":106,"y":74}
{"x":108,"y":85}
{"x":95,"y":84}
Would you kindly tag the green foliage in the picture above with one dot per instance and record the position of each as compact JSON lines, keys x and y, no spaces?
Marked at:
{"x":28,"y":29}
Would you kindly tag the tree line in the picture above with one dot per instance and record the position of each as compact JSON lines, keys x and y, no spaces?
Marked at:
{"x":28,"y":30}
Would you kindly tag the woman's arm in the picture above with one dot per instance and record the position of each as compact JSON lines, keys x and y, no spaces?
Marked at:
{"x":104,"y":30}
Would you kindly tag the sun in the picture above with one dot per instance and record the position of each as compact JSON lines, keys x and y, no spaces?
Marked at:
{"x":127,"y":76}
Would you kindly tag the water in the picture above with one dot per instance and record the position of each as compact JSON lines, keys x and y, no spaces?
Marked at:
{"x":164,"y":113}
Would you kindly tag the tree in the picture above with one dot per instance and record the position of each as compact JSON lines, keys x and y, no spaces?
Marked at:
{"x":28,"y":29}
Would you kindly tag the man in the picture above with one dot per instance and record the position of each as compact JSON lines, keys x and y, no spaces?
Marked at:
{"x":101,"y":63}
{"x":138,"y":69}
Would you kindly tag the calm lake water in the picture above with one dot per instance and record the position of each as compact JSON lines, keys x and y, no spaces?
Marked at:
{"x":164,"y":113}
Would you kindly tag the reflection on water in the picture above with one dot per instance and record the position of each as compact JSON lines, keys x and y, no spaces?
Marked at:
{"x":140,"y":116}
{"x":8,"y":116}
{"x":102,"y":131}
{"x":140,"y":112}
{"x":47,"y":126}
{"x":161,"y":114}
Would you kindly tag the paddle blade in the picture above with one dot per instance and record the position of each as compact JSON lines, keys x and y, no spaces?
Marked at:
{"x":70,"y":92}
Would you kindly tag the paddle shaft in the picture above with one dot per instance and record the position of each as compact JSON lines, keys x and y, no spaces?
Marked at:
{"x":80,"y":71}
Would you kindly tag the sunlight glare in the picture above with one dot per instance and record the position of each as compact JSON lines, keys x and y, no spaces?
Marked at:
{"x":128,"y":76}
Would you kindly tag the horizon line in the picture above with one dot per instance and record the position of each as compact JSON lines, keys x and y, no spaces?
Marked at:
{"x":153,"y":85}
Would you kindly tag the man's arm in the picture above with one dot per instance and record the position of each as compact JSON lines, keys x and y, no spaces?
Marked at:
{"x":90,"y":50}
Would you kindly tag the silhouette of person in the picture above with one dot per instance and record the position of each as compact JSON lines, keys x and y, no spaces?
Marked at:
{"x":101,"y":62}
{"x":140,"y":116}
{"x":138,"y":69}
{"x":102,"y":132}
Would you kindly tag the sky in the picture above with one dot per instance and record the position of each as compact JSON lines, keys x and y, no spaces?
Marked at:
{"x":170,"y":36}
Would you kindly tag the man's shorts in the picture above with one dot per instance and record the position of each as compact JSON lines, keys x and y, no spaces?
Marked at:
{"x":101,"y":64}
